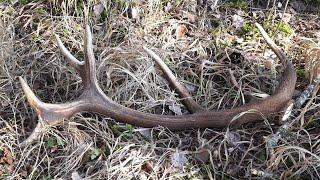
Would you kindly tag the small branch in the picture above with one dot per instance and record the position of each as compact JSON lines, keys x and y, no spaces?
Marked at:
{"x":306,"y":94}
{"x":282,"y":131}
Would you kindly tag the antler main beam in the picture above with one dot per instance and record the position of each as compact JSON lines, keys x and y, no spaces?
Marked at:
{"x":94,"y":100}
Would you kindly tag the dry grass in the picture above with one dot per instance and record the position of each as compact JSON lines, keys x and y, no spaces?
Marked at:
{"x":208,"y":61}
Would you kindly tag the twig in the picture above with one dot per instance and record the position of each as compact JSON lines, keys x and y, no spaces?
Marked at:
{"x":312,"y":88}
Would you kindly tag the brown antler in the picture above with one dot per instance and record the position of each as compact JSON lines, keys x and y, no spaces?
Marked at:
{"x":94,"y":100}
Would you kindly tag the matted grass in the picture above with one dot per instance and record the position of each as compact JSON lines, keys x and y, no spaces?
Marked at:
{"x":212,"y":60}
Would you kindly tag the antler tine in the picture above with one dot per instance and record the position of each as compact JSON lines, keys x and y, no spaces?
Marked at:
{"x":86,"y":69}
{"x":272,"y":45}
{"x":48,"y":113}
{"x":74,"y":62}
{"x":90,"y":69}
{"x":289,"y":68}
{"x":34,"y":102}
{"x":51,"y":114}
{"x":187,"y":100}
{"x":55,"y":113}
{"x":36,"y":133}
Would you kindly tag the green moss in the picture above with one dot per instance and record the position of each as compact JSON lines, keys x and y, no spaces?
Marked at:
{"x":129,"y":128}
{"x":116,"y":130}
{"x":249,"y":28}
{"x":217,"y":32}
{"x":284,"y":27}
{"x":36,"y":37}
{"x":24,"y":2}
{"x":55,"y":141}
{"x":41,"y":11}
{"x":95,"y":153}
{"x":262,"y":155}
{"x":6,"y":1}
{"x":238,"y":4}
{"x":51,"y":142}
{"x":301,"y":73}
{"x":248,"y":31}
{"x":278,"y":26}
{"x":126,"y":131}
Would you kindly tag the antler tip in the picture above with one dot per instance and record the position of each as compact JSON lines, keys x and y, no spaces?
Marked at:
{"x":31,"y":97}
{"x":88,"y":32}
{"x":57,"y":38}
{"x":272,"y":45}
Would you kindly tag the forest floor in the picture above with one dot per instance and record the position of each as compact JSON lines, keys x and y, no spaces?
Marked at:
{"x":214,"y":49}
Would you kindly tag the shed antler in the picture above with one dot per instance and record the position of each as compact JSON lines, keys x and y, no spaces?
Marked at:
{"x":94,"y":100}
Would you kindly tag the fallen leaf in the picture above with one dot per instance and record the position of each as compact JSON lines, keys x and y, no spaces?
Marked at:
{"x":233,"y":138}
{"x":145,"y":132}
{"x":98,"y":9}
{"x":237,"y":21}
{"x":23,"y":174}
{"x":191,"y":88}
{"x":269,"y":63}
{"x":286,"y":17}
{"x":147,"y":166}
{"x":75,"y":176}
{"x":239,"y":40}
{"x":178,"y":160}
{"x":176,"y":109}
{"x":191,"y":17}
{"x":47,"y":33}
{"x":203,"y":154}
{"x":229,"y":39}
{"x":269,"y":59}
{"x":181,"y":31}
{"x":6,"y":161}
{"x":135,"y":13}
{"x":169,"y":7}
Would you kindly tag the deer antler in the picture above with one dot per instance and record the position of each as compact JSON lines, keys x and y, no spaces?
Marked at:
{"x":94,"y":100}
